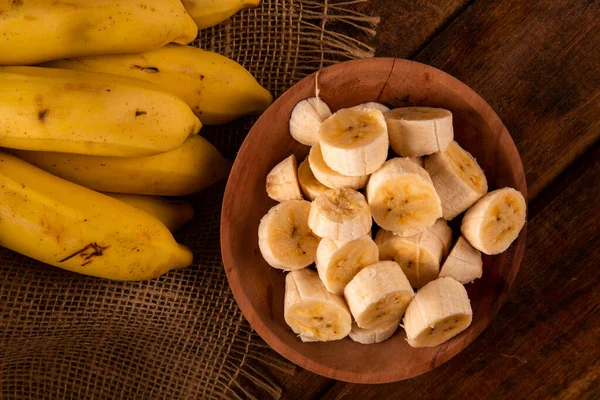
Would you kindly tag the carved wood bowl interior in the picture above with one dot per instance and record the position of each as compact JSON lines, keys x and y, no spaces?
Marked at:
{"x":259,"y":289}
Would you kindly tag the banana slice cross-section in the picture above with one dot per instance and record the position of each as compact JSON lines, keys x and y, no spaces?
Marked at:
{"x":439,"y":311}
{"x":495,"y":221}
{"x":378,"y":295}
{"x":375,"y":335}
{"x":311,"y":311}
{"x":282,"y":181}
{"x":328,"y":176}
{"x":340,"y":214}
{"x":354,"y":141}
{"x":284,"y":238}
{"x":310,"y":186}
{"x":338,"y":262}
{"x":419,"y":131}
{"x":306,"y":120}
{"x":464,"y":263}
{"x":419,"y":256}
{"x":402,"y":197}
{"x":458,"y":179}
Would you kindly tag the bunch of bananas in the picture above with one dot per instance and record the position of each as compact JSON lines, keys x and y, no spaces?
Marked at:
{"x":106,"y":120}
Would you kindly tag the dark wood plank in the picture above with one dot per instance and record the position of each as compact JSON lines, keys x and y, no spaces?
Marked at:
{"x":536,"y":63}
{"x":544,"y":341}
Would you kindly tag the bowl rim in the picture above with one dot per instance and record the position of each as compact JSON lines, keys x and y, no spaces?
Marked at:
{"x":250,"y":312}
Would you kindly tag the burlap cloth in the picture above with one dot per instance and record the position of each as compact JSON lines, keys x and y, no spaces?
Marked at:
{"x":65,"y":336}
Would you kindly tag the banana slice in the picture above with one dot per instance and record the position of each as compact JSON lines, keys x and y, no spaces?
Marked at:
{"x":354,"y":141}
{"x":329,"y":177}
{"x":419,"y":131}
{"x":376,"y":335}
{"x":338,"y":262}
{"x":458,"y":179}
{"x":374,"y":105}
{"x":282,"y":181}
{"x":340,"y":214}
{"x":464,"y":263}
{"x":306,"y":120}
{"x":440,"y":310}
{"x":402,"y":197}
{"x":284,"y":238}
{"x":311,"y":311}
{"x":495,"y":221}
{"x":310,"y":186}
{"x":378,"y":295}
{"x":419,"y":256}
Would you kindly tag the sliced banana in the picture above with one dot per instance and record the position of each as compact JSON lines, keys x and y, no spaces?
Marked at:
{"x":402,"y":197}
{"x":495,"y":221}
{"x":306,"y":120}
{"x":282,"y":181}
{"x":340,"y":214}
{"x":329,"y":177}
{"x":419,"y":131}
{"x":311,"y":311}
{"x":375,"y":105}
{"x":310,"y":186}
{"x":464,"y":263}
{"x":444,"y":233}
{"x":284,"y":238}
{"x":375,"y":335}
{"x":458,"y":179}
{"x":439,"y":311}
{"x":338,"y":262}
{"x":419,"y":256}
{"x":354,"y":141}
{"x":378,"y":295}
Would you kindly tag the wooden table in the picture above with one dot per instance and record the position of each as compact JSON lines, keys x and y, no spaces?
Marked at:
{"x":537,"y":64}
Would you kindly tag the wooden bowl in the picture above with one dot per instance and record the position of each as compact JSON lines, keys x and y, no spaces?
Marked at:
{"x":259,"y":289}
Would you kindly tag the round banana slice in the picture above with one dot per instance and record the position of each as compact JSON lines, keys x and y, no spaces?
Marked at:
{"x":494,"y":222}
{"x":464,"y":263}
{"x":439,"y":311}
{"x":378,"y":295}
{"x":329,"y":177}
{"x":402,"y":197}
{"x":311,"y":311}
{"x":375,"y":105}
{"x":282,"y":181}
{"x":284,"y":238}
{"x":338,"y":262}
{"x":340,"y":214}
{"x":419,"y":256}
{"x":310,"y":186}
{"x":376,"y":335}
{"x":354,"y":141}
{"x":419,"y":131}
{"x":458,"y":179}
{"x":306,"y":120}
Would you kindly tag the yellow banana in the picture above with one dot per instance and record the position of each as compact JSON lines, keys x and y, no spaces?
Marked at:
{"x":186,"y":170}
{"x":71,"y":227}
{"x":216,"y":88}
{"x":89,"y":113}
{"x":209,"y":13}
{"x":173,"y":213}
{"x":35,"y":31}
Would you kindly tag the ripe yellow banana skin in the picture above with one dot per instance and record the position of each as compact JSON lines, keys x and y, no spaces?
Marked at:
{"x":215,"y":87}
{"x":173,"y":213}
{"x":186,"y":170}
{"x":35,"y":31}
{"x":71,"y":227}
{"x":48,"y":109}
{"x":209,"y":13}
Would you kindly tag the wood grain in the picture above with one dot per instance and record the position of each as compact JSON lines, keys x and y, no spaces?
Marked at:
{"x":544,"y":341}
{"x":259,"y":289}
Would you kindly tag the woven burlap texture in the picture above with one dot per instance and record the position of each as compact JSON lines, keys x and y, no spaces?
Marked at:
{"x":67,"y":336}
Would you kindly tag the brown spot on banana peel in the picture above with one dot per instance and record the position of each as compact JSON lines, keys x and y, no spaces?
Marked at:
{"x":86,"y":254}
{"x":150,"y":70}
{"x":140,"y":112}
{"x":42,"y":114}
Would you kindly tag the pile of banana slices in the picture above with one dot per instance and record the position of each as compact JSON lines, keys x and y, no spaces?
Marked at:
{"x":362,"y":287}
